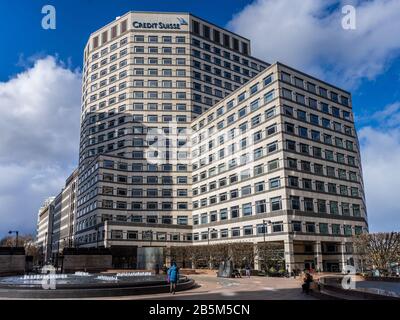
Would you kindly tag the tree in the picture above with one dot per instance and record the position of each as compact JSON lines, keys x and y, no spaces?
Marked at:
{"x":271,"y":254}
{"x":179,"y":254}
{"x":7,"y":242}
{"x":27,"y":241}
{"x":243,"y":254}
{"x":378,"y":250}
{"x":197,"y":254}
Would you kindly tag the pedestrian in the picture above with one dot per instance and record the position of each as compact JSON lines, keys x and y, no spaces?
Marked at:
{"x":248,"y":271}
{"x":308,"y":279}
{"x":173,"y":277}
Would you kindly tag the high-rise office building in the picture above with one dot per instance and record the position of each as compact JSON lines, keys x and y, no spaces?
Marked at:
{"x":187,"y":139}
{"x":146,"y":77}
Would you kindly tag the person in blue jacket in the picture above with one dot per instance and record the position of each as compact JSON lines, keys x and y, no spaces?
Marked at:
{"x":173,"y":277}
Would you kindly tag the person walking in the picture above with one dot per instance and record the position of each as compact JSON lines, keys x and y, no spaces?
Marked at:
{"x":308,"y":279}
{"x":173,"y":277}
{"x":248,"y":273}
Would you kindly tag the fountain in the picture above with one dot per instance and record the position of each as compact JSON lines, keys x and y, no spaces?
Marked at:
{"x":86,"y":285}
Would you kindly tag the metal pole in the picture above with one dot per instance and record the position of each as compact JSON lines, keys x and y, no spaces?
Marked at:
{"x":16,"y":240}
{"x":208,"y":238}
{"x":265,"y":231}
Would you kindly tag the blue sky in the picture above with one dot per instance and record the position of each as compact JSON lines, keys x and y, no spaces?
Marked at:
{"x":39,"y":129}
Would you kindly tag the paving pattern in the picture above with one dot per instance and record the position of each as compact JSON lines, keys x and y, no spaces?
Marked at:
{"x":255,"y":288}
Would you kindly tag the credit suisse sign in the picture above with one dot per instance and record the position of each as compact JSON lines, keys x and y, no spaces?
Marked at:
{"x":160,"y":25}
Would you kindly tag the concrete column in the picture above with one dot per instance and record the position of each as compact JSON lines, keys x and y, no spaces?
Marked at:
{"x":167,"y":256}
{"x":106,"y":235}
{"x":256,"y":258}
{"x":343,"y":252}
{"x":289,"y":255}
{"x":318,"y":255}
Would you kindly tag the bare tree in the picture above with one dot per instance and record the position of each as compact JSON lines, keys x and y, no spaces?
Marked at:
{"x":271,"y":254}
{"x":179,"y":254}
{"x":243,"y":254}
{"x":197,"y":254}
{"x":7,"y":242}
{"x":378,"y":250}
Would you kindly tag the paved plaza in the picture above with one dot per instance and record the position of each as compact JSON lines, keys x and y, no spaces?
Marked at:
{"x":209,"y":287}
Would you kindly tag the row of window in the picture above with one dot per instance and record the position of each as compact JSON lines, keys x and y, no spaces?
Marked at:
{"x":225,"y":54}
{"x":161,"y":61}
{"x":140,"y":193}
{"x":119,"y":178}
{"x":317,"y":152}
{"x":295,"y":203}
{"x":223,"y":63}
{"x":109,"y":204}
{"x":138,"y":167}
{"x":98,"y":116}
{"x":137,"y":205}
{"x":291,"y":163}
{"x":277,"y":227}
{"x":235,"y":161}
{"x":163,"y":50}
{"x":314,"y":89}
{"x":136,"y":235}
{"x":216,"y":71}
{"x":316,"y":135}
{"x":140,"y":84}
{"x":291,"y":181}
{"x":273,"y":183}
{"x":235,"y":132}
{"x":254,"y":105}
{"x":218,"y":37}
{"x":259,"y":152}
{"x":157,"y":39}
{"x":249,"y":230}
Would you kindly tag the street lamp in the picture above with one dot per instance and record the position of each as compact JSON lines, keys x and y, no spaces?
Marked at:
{"x":265,"y":222}
{"x":208,"y":235}
{"x":208,"y":238}
{"x":16,"y":238}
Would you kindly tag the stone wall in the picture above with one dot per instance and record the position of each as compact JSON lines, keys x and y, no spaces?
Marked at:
{"x":86,"y":260}
{"x":74,"y":263}
{"x":12,"y":261}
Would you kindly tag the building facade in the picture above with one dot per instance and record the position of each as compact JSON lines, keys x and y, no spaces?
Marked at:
{"x":278,"y":160}
{"x":146,"y":77}
{"x":186,"y":139}
{"x":44,"y":228}
{"x":64,"y":215}
{"x":56,"y":221}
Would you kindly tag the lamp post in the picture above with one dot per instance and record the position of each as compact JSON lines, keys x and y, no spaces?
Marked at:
{"x":208,"y":238}
{"x":208,"y":235}
{"x":16,"y":237}
{"x":265,"y":222}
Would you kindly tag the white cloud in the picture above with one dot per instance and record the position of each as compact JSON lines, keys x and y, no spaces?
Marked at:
{"x":39,"y":139}
{"x":380,"y":151}
{"x":308,"y":34}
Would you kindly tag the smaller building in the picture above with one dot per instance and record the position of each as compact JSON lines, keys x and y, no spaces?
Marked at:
{"x":56,"y":221}
{"x":44,"y":227}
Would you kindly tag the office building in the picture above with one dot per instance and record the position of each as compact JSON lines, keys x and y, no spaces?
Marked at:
{"x":187,"y":139}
